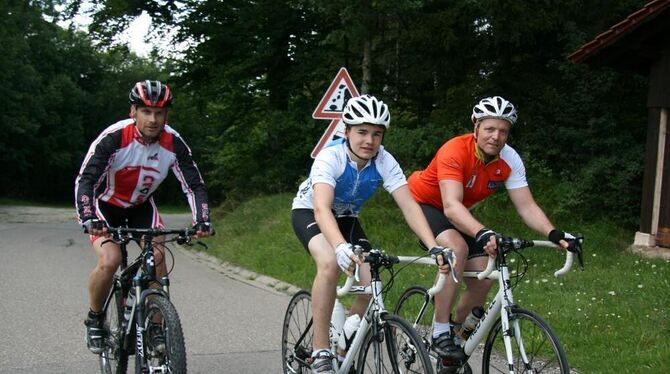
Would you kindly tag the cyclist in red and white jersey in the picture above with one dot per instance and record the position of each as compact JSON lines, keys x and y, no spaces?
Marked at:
{"x":466,"y":170}
{"x":122,"y":168}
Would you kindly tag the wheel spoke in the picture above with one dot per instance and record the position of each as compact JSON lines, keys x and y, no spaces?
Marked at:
{"x":535,"y":338}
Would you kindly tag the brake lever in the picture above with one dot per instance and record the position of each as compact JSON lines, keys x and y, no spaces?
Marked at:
{"x":576,"y":247}
{"x":448,"y":256}
{"x":450,"y":260}
{"x":358,"y":251}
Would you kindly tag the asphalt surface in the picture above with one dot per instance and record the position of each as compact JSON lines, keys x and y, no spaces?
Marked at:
{"x":231,"y":318}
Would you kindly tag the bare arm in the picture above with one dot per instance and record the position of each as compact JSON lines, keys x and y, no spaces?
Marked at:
{"x":323,"y":203}
{"x":417,"y":222}
{"x":414,"y":216}
{"x":531,"y":214}
{"x":458,"y":214}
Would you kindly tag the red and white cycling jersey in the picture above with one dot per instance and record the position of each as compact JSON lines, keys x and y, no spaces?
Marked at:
{"x":123,"y":170}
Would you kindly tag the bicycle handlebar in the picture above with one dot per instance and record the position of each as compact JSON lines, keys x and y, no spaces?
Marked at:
{"x":507,"y":244}
{"x":386,"y":260}
{"x":125,"y":234}
{"x":375,"y":259}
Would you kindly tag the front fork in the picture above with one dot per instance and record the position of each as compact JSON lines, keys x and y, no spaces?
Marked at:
{"x":510,"y":324}
{"x":139,"y":316}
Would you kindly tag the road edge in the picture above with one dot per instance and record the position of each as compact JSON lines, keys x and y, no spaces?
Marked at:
{"x":240,"y":274}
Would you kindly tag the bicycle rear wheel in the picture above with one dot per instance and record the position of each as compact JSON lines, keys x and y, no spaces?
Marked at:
{"x":297,"y":334}
{"x":543,"y":350}
{"x":162,"y":318}
{"x":394,"y":348}
{"x":114,"y":359}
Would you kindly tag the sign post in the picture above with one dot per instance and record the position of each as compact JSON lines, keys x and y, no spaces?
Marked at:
{"x":331,"y":106}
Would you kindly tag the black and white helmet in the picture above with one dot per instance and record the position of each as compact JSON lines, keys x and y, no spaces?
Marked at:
{"x":494,"y":107}
{"x":366,"y":109}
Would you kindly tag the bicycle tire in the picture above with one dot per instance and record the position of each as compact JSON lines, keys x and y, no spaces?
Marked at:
{"x":297,"y":320}
{"x":409,"y":307}
{"x":114,"y":359}
{"x":173,"y":358}
{"x":543,"y":349}
{"x":395,"y":348}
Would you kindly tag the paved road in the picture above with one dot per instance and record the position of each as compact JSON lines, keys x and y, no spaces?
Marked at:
{"x":231,"y":325}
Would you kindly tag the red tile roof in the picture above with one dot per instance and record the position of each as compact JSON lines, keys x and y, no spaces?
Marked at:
{"x":622,"y":28}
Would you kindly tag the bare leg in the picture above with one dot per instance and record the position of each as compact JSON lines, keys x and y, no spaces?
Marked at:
{"x":100,"y":279}
{"x":476,"y":291}
{"x":444,"y":300}
{"x":323,"y":289}
{"x":361,"y":302}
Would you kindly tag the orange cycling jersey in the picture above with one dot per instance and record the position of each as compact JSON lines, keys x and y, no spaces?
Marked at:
{"x":458,"y":159}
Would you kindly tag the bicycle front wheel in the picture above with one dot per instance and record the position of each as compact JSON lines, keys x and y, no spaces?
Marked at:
{"x":164,"y":348}
{"x":544,"y":352}
{"x":114,"y":359}
{"x":393,"y":348}
{"x":416,"y":307}
{"x":297,"y":334}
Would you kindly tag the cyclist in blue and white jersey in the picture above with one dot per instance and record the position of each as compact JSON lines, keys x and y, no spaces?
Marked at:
{"x":344,"y":175}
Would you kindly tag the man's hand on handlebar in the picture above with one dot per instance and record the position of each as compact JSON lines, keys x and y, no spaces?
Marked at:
{"x":487,"y":240}
{"x":562,"y":239}
{"x":346,"y":258}
{"x":203,"y":229}
{"x":567,"y":241}
{"x":95,"y":227}
{"x":444,"y":258}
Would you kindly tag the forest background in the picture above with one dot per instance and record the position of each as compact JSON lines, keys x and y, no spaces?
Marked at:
{"x":247,"y":76}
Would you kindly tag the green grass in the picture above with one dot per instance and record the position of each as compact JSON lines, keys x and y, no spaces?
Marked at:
{"x":611,"y":318}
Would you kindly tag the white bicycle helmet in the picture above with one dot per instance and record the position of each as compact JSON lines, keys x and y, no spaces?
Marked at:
{"x":366,"y":109}
{"x":494,"y":107}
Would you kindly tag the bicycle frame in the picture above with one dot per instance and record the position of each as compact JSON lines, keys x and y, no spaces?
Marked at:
{"x":501,"y":304}
{"x":143,"y":272}
{"x":374,"y":310}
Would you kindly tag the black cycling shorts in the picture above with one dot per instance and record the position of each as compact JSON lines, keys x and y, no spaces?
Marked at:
{"x":306,"y":228}
{"x":142,"y":216}
{"x":438,"y":223}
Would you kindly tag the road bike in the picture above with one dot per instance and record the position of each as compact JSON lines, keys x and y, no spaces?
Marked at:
{"x":140,"y":320}
{"x":383,"y":343}
{"x":519,"y":340}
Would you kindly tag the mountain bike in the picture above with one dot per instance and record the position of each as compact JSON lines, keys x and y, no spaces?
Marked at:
{"x":519,"y":340}
{"x":384,"y":343}
{"x":140,"y":320}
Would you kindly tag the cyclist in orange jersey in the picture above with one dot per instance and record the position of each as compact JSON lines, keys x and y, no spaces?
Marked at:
{"x":466,"y":170}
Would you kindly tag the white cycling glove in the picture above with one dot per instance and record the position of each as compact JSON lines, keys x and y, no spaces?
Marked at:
{"x":344,"y":252}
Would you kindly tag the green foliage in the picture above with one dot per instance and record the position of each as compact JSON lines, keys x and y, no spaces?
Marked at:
{"x":253,"y":72}
{"x":58,"y":92}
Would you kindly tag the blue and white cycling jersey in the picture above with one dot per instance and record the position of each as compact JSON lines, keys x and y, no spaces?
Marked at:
{"x":352,"y":187}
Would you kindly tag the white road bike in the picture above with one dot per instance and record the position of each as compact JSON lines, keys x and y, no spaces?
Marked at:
{"x":519,"y":340}
{"x":384,"y":343}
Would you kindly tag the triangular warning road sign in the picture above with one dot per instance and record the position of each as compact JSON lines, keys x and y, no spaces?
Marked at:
{"x":339,"y":91}
{"x":334,"y":131}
